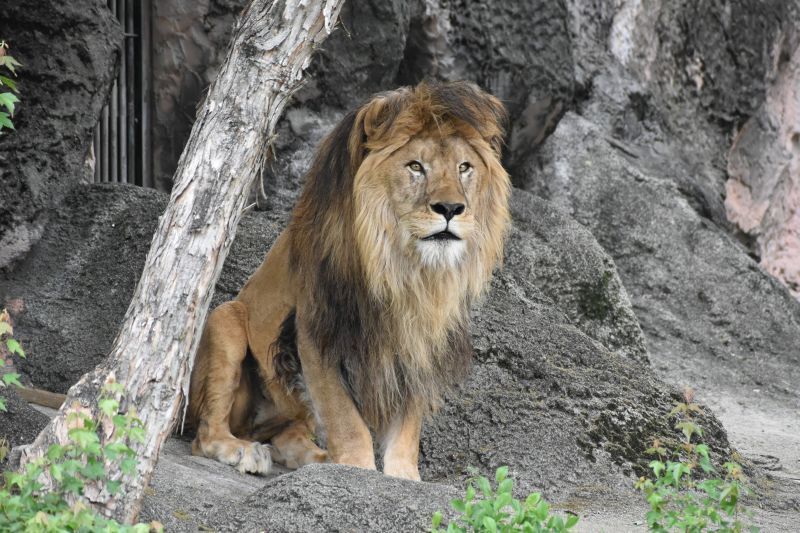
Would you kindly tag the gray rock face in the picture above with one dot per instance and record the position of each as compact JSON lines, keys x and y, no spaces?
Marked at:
{"x":76,"y":283}
{"x":190,"y":40}
{"x":65,"y":78}
{"x":708,"y":311}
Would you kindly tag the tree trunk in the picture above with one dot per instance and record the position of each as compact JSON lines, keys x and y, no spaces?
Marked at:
{"x":151,"y":356}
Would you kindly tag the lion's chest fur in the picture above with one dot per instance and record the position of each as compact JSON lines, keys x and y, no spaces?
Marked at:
{"x":395,"y":350}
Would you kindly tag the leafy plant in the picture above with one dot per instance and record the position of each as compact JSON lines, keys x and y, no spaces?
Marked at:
{"x":8,"y":98}
{"x":13,"y":347}
{"x":682,"y":499}
{"x":498,"y":510}
{"x":26,"y":504}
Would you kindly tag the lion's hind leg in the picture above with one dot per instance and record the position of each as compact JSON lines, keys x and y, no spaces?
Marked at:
{"x":294,"y":447}
{"x":220,"y":393}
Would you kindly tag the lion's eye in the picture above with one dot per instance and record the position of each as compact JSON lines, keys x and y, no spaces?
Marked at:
{"x":415,"y":166}
{"x":463,"y":167}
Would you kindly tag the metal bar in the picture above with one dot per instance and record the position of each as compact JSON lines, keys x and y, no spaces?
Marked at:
{"x":113,"y":133}
{"x":122,"y":93}
{"x":146,"y":94}
{"x":130,"y":94}
{"x":104,"y":145}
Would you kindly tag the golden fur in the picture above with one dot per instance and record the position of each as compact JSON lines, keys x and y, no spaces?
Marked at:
{"x":358,"y":317}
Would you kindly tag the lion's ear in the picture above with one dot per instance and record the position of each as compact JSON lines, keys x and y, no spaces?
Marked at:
{"x":372,"y":121}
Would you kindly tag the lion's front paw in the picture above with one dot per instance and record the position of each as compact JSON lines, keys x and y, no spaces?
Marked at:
{"x":402,"y":470}
{"x":251,"y":457}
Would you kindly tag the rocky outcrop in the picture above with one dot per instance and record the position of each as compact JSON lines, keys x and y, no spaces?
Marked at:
{"x":190,"y":39}
{"x":700,"y":298}
{"x":75,"y":285}
{"x":69,"y":51}
{"x":763,"y":187}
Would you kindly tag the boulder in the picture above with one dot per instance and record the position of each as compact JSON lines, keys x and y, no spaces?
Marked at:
{"x":75,"y":285}
{"x":711,"y":316}
{"x":69,"y":51}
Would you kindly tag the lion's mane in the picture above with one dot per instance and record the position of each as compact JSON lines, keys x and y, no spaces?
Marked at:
{"x":396,"y":331}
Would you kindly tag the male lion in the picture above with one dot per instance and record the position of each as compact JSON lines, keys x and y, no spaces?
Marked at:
{"x":358,"y":317}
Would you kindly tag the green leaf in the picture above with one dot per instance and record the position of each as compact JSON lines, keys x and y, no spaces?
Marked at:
{"x":470,"y":493}
{"x":489,"y":524}
{"x":501,"y":474}
{"x":571,"y":521}
{"x":108,"y":406}
{"x":8,"y":82}
{"x":435,"y":521}
{"x":8,"y":100}
{"x":11,"y":379}
{"x":505,"y":486}
{"x":83,"y":437}
{"x":12,"y":344}
{"x":657,"y":467}
{"x":94,"y":470}
{"x":502,"y":500}
{"x":486,"y":489}
{"x":458,"y":505}
{"x":10,"y":63}
{"x":2,"y":405}
{"x":57,"y":472}
{"x":5,"y":122}
{"x":5,"y":327}
{"x":55,"y":451}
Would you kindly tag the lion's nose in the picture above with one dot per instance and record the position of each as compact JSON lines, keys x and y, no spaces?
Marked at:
{"x":448,"y":211}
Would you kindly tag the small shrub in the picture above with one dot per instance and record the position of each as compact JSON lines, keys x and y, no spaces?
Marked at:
{"x":27,"y":505}
{"x":498,"y":511}
{"x":12,"y":346}
{"x":682,"y":500}
{"x":8,"y":87}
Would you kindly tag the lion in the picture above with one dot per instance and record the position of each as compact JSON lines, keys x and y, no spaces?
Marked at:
{"x":357,"y":321}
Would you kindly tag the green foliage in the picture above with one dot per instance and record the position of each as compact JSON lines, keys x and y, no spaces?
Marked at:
{"x":27,"y":505}
{"x":683,"y":499}
{"x":498,"y":511}
{"x":12,"y":347}
{"x":8,"y":87}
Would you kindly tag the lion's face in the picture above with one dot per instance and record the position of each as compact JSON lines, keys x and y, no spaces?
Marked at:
{"x":431,"y":184}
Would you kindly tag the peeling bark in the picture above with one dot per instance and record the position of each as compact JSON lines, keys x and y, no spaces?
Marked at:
{"x":152,"y":354}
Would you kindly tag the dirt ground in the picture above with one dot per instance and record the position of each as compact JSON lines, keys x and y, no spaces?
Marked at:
{"x":765,"y":430}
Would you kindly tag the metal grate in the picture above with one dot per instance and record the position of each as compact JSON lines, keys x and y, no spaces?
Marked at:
{"x":122,"y":138}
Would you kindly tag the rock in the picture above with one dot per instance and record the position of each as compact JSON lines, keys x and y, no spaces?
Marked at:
{"x":763,"y":187}
{"x":190,"y":40}
{"x":709,"y":313}
{"x":314,"y":498}
{"x":19,"y":424}
{"x":69,"y":51}
{"x":76,"y":283}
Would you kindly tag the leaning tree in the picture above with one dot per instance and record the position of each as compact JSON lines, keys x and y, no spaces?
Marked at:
{"x":152,"y":354}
